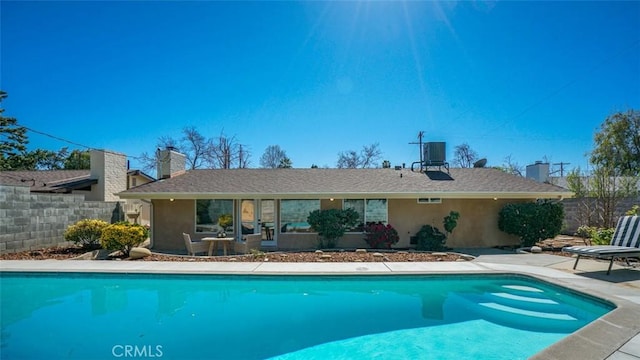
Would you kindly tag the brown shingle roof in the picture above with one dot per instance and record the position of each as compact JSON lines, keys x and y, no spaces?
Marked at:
{"x":314,"y":183}
{"x":46,"y":180}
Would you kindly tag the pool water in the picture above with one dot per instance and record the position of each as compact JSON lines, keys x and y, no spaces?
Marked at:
{"x":103,"y":316}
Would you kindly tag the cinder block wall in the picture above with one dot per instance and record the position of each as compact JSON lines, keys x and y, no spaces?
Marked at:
{"x":34,"y":221}
{"x":583,"y":211}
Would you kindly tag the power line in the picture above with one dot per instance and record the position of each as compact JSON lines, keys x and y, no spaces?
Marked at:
{"x":77,"y":144}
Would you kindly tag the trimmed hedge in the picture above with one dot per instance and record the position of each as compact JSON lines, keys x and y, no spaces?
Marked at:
{"x":532,"y":221}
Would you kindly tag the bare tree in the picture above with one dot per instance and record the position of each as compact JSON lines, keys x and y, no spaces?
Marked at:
{"x":200,"y":152}
{"x":348,"y":160}
{"x":243,"y":157}
{"x":370,"y":155}
{"x":150,"y":161}
{"x":224,"y":152}
{"x":367,"y":158}
{"x":273,"y":156}
{"x":512,"y":167}
{"x":464,"y":156}
{"x":195,"y":148}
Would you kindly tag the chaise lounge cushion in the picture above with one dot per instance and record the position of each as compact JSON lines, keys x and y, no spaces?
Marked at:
{"x":625,"y":243}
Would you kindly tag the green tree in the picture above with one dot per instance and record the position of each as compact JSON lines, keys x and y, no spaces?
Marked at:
{"x":13,"y":140}
{"x":285,"y":163}
{"x":331,"y":224}
{"x":78,"y":160}
{"x":617,"y":144}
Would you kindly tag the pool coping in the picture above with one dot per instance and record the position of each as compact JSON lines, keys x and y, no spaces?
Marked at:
{"x":615,"y":335}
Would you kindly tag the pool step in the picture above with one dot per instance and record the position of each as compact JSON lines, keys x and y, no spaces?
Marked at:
{"x":521,"y":312}
{"x":530,"y":313}
{"x":541,"y":304}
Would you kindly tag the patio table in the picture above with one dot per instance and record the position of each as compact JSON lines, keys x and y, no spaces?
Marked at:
{"x":213,"y":243}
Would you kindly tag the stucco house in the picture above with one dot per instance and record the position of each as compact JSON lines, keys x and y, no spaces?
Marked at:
{"x":274,"y":203}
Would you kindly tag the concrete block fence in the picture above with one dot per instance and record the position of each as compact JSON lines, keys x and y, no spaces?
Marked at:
{"x":583,"y":211}
{"x":34,"y":220}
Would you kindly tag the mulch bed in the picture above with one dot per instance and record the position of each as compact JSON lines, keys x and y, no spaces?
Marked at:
{"x":550,"y":246}
{"x":65,"y":253}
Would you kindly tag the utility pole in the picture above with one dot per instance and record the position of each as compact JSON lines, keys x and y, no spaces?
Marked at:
{"x":562,"y":164}
{"x":420,"y":135}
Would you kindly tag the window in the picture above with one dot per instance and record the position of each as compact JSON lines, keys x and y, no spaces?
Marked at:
{"x":294,"y":214}
{"x":370,"y":210}
{"x":213,"y":216}
{"x":429,"y":201}
{"x":358,"y":206}
{"x":375,"y":211}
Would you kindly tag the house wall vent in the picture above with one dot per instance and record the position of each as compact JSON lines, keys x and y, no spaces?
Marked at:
{"x":435,"y":153}
{"x":429,"y":200}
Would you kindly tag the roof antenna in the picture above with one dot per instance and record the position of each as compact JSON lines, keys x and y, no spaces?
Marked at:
{"x":420,"y":135}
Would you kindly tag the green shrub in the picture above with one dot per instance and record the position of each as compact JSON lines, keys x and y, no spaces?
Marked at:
{"x":585,"y":232}
{"x":598,"y":236}
{"x":451,"y":221}
{"x":635,"y":210}
{"x":532,"y":222}
{"x":123,"y":236}
{"x":380,"y":236}
{"x":86,"y":233}
{"x":430,"y":239}
{"x":602,"y":236}
{"x":331,"y":224}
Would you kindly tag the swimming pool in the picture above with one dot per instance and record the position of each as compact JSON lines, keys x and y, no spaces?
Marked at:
{"x":287,"y":317}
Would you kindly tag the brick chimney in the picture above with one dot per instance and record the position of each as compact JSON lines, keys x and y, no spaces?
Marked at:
{"x":170,"y":163}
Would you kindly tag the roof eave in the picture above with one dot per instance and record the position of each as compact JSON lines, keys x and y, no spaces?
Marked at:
{"x":352,"y":195}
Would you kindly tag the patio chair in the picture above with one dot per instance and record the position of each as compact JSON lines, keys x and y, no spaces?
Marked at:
{"x":625,"y":243}
{"x":248,"y":243}
{"x":194,"y":247}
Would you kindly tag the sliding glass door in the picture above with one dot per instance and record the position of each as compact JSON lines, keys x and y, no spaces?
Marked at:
{"x":267,"y":221}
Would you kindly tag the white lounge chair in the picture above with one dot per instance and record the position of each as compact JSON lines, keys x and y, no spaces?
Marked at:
{"x":248,"y":243}
{"x":625,"y":243}
{"x":194,"y":247}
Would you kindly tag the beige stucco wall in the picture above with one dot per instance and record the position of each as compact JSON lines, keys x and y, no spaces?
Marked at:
{"x":477,"y":226}
{"x":170,"y":220}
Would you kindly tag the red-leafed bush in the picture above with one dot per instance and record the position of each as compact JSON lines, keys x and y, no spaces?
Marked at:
{"x":380,"y":236}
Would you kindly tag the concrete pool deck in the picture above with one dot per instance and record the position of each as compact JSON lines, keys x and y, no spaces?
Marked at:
{"x":615,"y":336}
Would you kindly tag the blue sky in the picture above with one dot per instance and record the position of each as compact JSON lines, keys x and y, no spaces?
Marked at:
{"x":519,"y":79}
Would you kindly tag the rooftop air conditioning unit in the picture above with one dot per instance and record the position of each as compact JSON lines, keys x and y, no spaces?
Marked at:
{"x":435,"y":153}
